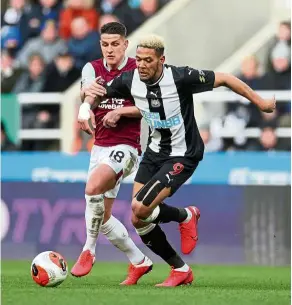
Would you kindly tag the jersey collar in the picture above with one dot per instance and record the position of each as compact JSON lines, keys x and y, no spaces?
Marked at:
{"x":120,"y":67}
{"x":159,"y":79}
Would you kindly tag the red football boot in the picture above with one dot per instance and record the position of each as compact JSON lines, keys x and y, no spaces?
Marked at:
{"x":188,"y":231}
{"x":135,"y":272}
{"x":84,"y":264}
{"x":178,"y":278}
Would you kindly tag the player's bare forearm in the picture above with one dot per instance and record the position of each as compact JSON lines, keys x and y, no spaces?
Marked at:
{"x":129,"y":112}
{"x":94,"y":102}
{"x":112,"y":117}
{"x":238,"y":86}
{"x":92,"y":92}
{"x":241,"y":88}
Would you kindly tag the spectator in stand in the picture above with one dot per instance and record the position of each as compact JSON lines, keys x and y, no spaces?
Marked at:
{"x":279,"y":78}
{"x":107,"y":18}
{"x":250,"y":74}
{"x":13,"y":22}
{"x":121,"y":9}
{"x":132,"y":13}
{"x":9,"y":72}
{"x":283,"y":35}
{"x":6,"y":143}
{"x":269,"y":141}
{"x":40,"y":13}
{"x":211,"y":143}
{"x":75,"y":9}
{"x":48,"y":45}
{"x":33,"y":79}
{"x":242,"y":114}
{"x":148,"y":8}
{"x":61,"y":74}
{"x":84,"y":45}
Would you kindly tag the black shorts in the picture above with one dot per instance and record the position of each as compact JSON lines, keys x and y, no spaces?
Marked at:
{"x":171,"y":171}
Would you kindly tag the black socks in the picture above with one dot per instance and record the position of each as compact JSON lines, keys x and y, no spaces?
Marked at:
{"x":156,"y":241}
{"x":168,"y":213}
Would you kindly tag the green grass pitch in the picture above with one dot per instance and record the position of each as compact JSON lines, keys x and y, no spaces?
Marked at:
{"x":214,"y":285}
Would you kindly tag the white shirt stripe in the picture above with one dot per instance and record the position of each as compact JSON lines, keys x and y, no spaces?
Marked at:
{"x":172,"y":109}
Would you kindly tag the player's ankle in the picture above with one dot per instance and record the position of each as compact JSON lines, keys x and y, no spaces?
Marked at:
{"x":189,"y":217}
{"x":90,"y":248}
{"x":184,"y":268}
{"x":141,"y":262}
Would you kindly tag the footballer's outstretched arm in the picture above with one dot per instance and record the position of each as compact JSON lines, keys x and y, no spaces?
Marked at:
{"x":241,"y":88}
{"x":206,"y":80}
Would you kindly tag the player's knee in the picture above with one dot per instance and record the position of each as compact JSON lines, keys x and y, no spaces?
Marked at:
{"x":92,"y":189}
{"x":140,"y":210}
{"x":148,"y":193}
{"x":136,"y":222}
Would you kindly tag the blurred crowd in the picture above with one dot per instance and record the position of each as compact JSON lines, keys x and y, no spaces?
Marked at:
{"x":45,"y":43}
{"x":273,"y":74}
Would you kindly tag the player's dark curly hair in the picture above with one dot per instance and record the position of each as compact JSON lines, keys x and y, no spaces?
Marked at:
{"x":114,"y":28}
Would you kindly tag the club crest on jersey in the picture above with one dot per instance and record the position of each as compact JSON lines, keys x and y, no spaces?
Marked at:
{"x":155,"y":103}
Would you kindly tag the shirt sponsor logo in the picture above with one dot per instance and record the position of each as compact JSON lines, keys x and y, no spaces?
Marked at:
{"x":154,"y":121}
{"x":111,"y":103}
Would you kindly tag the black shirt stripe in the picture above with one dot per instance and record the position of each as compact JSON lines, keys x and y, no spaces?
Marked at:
{"x":156,"y":105}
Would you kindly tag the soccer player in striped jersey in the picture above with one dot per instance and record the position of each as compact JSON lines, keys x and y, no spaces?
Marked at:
{"x":163,"y":94}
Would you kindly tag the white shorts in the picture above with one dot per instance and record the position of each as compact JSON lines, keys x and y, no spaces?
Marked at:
{"x":123,"y":159}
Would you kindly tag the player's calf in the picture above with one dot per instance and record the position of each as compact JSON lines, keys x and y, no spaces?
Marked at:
{"x":94,"y":213}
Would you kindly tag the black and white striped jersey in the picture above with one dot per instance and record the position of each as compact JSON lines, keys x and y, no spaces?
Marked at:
{"x":167,"y":106}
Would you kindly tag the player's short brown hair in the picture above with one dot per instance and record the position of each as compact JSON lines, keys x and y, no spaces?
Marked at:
{"x":286,"y":24}
{"x":152,"y":42}
{"x":114,"y":28}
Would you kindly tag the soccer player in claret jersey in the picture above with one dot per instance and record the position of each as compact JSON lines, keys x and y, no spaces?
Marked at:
{"x":164,"y":95}
{"x":113,"y":157}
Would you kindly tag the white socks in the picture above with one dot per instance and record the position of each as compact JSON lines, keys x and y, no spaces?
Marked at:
{"x":113,"y":229}
{"x":94,"y":214}
{"x":184,"y":268}
{"x":118,"y":235}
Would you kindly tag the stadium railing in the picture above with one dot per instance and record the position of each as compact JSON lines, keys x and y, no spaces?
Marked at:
{"x":68,"y":106}
{"x":40,"y":99}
